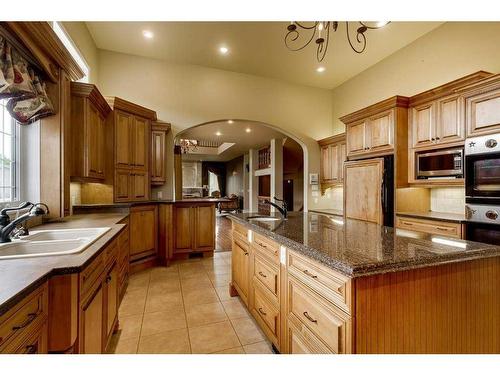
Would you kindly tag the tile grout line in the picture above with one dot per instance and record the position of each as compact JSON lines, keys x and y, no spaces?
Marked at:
{"x":143,"y":312}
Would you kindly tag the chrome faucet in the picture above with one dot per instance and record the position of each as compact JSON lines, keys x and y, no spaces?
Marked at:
{"x":283,"y":209}
{"x":7,"y":226}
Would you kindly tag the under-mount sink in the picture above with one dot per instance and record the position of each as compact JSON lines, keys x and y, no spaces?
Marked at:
{"x":263,"y":218}
{"x":51,"y":243}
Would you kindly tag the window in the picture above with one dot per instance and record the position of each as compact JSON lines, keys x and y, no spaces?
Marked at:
{"x":9,"y":151}
{"x":72,"y":49}
{"x":213,"y":183}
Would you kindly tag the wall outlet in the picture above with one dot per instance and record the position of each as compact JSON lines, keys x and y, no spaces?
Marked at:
{"x":160,"y":195}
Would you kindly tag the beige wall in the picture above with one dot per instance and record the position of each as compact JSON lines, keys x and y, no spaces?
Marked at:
{"x":187,"y":95}
{"x":80,"y":35}
{"x":448,"y":52}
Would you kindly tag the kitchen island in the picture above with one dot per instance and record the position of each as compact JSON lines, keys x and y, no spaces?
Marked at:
{"x":324,"y":284}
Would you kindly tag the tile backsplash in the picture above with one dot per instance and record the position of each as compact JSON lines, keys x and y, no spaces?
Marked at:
{"x":332,"y":199}
{"x":450,"y":200}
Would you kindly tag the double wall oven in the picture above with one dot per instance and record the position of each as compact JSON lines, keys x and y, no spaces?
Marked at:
{"x":482,"y":188}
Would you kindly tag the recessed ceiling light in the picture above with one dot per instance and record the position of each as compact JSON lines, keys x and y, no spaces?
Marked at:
{"x":223,"y":50}
{"x":248,"y":130}
{"x":382,"y":23}
{"x":218,"y":134}
{"x":320,"y":69}
{"x":230,"y":121}
{"x":148,"y":34}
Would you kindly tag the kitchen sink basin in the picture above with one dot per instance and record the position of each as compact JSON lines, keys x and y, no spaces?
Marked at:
{"x":66,"y":234}
{"x":51,"y":243}
{"x":263,"y":218}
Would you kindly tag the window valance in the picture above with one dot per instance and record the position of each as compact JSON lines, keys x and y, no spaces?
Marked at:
{"x":28,"y":100}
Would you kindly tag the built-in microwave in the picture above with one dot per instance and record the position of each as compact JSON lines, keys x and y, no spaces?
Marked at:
{"x":440,"y":163}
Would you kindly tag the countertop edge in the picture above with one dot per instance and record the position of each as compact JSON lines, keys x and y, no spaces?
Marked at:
{"x":426,"y":216}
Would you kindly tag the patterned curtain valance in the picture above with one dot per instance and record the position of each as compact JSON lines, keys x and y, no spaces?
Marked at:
{"x":28,"y":100}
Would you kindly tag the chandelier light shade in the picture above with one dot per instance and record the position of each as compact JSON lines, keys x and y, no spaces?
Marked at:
{"x":188,"y":145}
{"x":319,"y":32}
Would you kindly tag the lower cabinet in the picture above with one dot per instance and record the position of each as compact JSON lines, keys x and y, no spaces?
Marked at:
{"x":91,"y":322}
{"x":143,"y":233}
{"x":111,"y":301}
{"x":240,"y":266}
{"x":443,"y":228}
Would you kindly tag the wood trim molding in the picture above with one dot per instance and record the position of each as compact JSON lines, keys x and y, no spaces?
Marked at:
{"x":333,"y":139}
{"x":448,"y":88}
{"x":124,"y":105}
{"x":46,"y":47}
{"x":91,"y":92}
{"x":482,"y":86}
{"x":395,"y":101}
{"x":161,"y":126}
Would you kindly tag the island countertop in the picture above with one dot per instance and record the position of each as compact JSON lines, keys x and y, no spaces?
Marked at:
{"x":19,"y":277}
{"x":358,"y":248}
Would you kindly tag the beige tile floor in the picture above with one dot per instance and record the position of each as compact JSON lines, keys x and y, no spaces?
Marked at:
{"x":186,"y":308}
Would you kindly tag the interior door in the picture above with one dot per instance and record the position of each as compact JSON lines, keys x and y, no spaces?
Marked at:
{"x":423,"y":125}
{"x":363,"y":190}
{"x":288,"y":193}
{"x":356,"y":138}
{"x":123,"y":130}
{"x":380,"y":129}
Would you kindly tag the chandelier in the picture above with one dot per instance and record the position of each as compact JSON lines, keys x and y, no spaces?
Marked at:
{"x":320,"y":33}
{"x":188,"y":145}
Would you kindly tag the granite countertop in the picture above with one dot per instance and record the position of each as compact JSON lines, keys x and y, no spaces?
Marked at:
{"x":358,"y":248}
{"x":156,"y":201}
{"x":433,"y":215}
{"x":328,"y":211}
{"x":19,"y":277}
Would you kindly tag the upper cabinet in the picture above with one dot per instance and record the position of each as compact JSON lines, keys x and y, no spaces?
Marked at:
{"x":130,"y":127}
{"x":482,"y":107}
{"x":373,"y":131}
{"x":159,"y":132}
{"x":333,"y":155}
{"x":87,"y":132}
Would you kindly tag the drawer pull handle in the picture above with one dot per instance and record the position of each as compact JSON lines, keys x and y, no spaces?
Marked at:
{"x":261,"y":244}
{"x":261,"y":274}
{"x":443,"y":229}
{"x":108,"y":279}
{"x":246,"y":252}
{"x":310,"y":274}
{"x":309,"y":317}
{"x":31,"y":317}
{"x":262,"y":312}
{"x":31,"y":349}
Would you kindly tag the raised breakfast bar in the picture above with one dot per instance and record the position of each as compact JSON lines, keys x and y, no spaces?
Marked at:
{"x":325,"y":284}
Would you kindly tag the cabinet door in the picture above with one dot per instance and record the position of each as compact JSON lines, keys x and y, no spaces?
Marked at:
{"x":356,"y":138}
{"x":204,"y":227}
{"x":140,"y":186}
{"x":379,"y":132}
{"x":91,"y":324}
{"x":342,"y":158}
{"x":450,"y":119}
{"x":483,"y":113}
{"x":140,"y":142}
{"x":158,"y":157}
{"x":143,"y":223}
{"x":240,"y":269}
{"x":423,"y":125}
{"x":123,"y":185}
{"x":35,"y":343}
{"x":325,"y":164}
{"x":363,"y":181}
{"x":94,"y":143}
{"x":334,"y":164}
{"x":123,"y":132}
{"x":183,"y":225}
{"x":111,"y":288}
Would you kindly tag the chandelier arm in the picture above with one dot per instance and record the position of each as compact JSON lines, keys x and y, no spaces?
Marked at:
{"x":307,"y":27}
{"x":323,"y":51}
{"x":294,"y":39}
{"x":374,"y":27}
{"x":357,"y":37}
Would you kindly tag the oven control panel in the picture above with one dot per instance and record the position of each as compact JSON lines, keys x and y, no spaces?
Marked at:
{"x":482,"y":145}
{"x":482,"y":213}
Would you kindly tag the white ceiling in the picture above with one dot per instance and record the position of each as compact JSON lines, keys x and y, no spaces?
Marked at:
{"x":259,"y":136}
{"x":255,"y":47}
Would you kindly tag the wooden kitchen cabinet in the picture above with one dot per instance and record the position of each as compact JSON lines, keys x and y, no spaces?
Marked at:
{"x":159,"y":131}
{"x":129,"y":126}
{"x":240,"y":267}
{"x":333,"y":155}
{"x":91,"y":322}
{"x":194,"y":228}
{"x":379,"y":129}
{"x":111,"y":299}
{"x":89,"y":110}
{"x":443,"y":228}
{"x":143,"y":233}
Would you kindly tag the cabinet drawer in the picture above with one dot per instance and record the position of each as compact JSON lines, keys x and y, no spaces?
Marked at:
{"x":267,"y":275}
{"x":240,"y":240}
{"x":90,"y":274}
{"x":328,"y":283}
{"x":23,"y":317}
{"x":326,"y":321}
{"x":238,"y":228}
{"x":36,"y":343}
{"x":430,"y":226}
{"x":111,"y":253}
{"x":266,"y":313}
{"x":303,"y":341}
{"x":267,"y":247}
